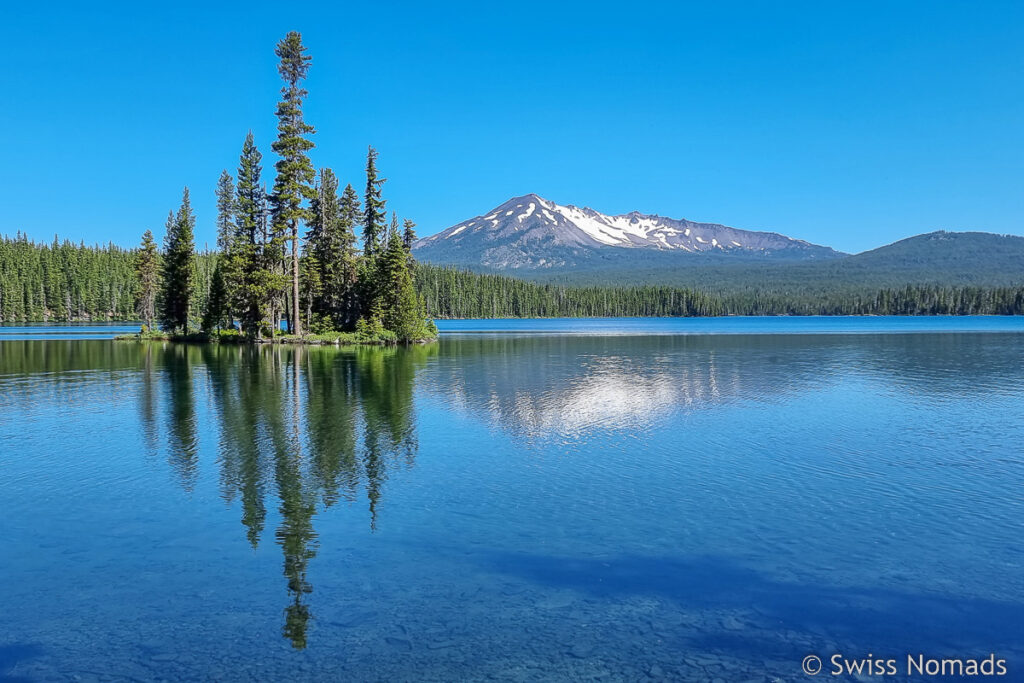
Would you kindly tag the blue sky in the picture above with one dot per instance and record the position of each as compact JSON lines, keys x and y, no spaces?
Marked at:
{"x":849,"y":124}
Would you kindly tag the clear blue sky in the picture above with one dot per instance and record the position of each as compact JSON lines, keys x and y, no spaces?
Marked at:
{"x":851,"y":124}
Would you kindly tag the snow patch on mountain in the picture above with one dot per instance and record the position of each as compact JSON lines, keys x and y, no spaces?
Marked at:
{"x":531,"y":231}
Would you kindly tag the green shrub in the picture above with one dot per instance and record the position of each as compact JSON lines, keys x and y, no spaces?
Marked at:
{"x":320,"y":324}
{"x":228,"y":336}
{"x":369,"y":330}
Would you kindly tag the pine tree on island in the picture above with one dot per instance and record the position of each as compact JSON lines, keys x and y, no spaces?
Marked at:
{"x":147,"y":273}
{"x":225,"y":211}
{"x":179,"y":268}
{"x":227,"y":266}
{"x":255,"y":279}
{"x":402,"y":309}
{"x":330,"y":255}
{"x":216,"y":314}
{"x":295,"y":172}
{"x":374,"y":212}
{"x":408,"y":234}
{"x":348,"y":272}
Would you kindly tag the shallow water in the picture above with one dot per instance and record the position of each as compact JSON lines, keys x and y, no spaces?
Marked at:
{"x":609,"y":505}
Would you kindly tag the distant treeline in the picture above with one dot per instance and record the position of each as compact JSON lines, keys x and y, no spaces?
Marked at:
{"x":74,"y":282}
{"x":452,"y":293}
{"x":63,"y":281}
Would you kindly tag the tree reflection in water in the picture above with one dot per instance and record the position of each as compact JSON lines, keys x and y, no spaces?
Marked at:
{"x":302,"y":429}
{"x":290,"y":422}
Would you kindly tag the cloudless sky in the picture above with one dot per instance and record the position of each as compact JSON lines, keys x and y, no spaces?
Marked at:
{"x":851,"y":124}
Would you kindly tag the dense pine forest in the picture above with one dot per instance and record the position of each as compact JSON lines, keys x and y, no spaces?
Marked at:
{"x":452,"y":293}
{"x":61,"y":281}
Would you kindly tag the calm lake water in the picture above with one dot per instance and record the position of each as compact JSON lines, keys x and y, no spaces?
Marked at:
{"x":524,"y":500}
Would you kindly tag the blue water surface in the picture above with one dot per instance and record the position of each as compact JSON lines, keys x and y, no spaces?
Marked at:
{"x":66,"y":330}
{"x":738,"y":325}
{"x":623,"y":500}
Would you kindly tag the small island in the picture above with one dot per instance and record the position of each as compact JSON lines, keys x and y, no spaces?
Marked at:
{"x":265,"y":273}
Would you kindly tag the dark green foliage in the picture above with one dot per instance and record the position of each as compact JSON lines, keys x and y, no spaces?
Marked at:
{"x":311,"y":291}
{"x":295,"y":173}
{"x":328,"y":267}
{"x":216,"y":313}
{"x":451,"y":293}
{"x":179,"y":269}
{"x":367,"y":276}
{"x":229,"y":264}
{"x":250,"y":215}
{"x":408,"y":234}
{"x":401,"y":309}
{"x":374,"y":213}
{"x":147,"y":274}
{"x":254,"y":252}
{"x":65,"y":281}
{"x":348,"y":272}
{"x":225,"y":212}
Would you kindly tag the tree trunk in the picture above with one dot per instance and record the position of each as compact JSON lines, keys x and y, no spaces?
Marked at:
{"x":296,"y":319}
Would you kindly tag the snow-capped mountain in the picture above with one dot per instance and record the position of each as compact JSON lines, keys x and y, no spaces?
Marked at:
{"x":531,"y":232}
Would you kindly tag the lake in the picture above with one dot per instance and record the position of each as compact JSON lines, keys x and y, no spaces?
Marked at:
{"x":700,"y":499}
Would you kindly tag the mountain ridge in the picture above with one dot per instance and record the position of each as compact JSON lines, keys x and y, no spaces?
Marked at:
{"x":555,"y":252}
{"x":531,"y":232}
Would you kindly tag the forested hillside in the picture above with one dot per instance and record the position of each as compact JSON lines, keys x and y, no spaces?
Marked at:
{"x":941,"y":259}
{"x":62,"y":281}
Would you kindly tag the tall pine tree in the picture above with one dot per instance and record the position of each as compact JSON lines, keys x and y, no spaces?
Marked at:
{"x":179,"y":268}
{"x":323,"y":252}
{"x":348,"y":272}
{"x":256,"y":281}
{"x":295,"y":172}
{"x":375,"y":214}
{"x":401,"y":308}
{"x":225,"y":211}
{"x":408,"y":234}
{"x":228,"y":263}
{"x":147,"y":273}
{"x":216,"y":313}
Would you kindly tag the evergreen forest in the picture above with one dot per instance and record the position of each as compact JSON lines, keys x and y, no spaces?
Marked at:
{"x":66,"y":282}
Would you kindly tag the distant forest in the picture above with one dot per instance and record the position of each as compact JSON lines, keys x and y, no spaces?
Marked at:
{"x":64,"y":281}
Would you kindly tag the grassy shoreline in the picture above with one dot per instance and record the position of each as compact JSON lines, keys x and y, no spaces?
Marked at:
{"x":384,"y":338}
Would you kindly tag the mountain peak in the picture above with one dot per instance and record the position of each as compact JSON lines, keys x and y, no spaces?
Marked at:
{"x":525,"y":201}
{"x":532,"y":232}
